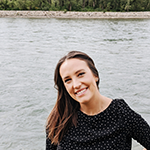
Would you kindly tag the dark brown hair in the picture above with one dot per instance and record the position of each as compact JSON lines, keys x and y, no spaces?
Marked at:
{"x":64,"y":113}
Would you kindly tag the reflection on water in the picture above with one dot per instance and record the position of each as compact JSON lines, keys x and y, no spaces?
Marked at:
{"x":29,"y":51}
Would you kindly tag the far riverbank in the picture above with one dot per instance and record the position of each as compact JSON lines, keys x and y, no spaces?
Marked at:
{"x":71,"y":14}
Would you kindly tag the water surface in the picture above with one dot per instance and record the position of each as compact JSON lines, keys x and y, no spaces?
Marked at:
{"x":29,"y":51}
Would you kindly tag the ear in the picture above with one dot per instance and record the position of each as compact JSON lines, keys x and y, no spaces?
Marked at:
{"x":96,"y":79}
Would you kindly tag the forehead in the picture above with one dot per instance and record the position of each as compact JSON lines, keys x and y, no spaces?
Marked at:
{"x":72,"y":65}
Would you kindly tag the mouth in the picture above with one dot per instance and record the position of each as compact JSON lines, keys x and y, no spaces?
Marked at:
{"x":81,"y":92}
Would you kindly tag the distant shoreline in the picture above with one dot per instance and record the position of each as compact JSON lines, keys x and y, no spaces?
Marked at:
{"x":72,"y":14}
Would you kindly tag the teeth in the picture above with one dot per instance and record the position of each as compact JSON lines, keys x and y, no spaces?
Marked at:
{"x":81,"y":92}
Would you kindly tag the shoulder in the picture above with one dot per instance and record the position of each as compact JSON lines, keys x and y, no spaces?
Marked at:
{"x":121,"y":106}
{"x":125,"y":111}
{"x":121,"y":103}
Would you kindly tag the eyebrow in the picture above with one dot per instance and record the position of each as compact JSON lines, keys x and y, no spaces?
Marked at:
{"x":75,"y":73}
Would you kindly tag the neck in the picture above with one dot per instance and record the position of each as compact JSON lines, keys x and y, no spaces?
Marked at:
{"x":96,"y":105}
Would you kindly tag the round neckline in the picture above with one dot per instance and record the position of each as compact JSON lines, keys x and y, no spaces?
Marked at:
{"x":91,"y":116}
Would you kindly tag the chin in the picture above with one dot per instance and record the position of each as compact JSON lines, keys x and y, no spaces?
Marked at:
{"x":83,"y":101}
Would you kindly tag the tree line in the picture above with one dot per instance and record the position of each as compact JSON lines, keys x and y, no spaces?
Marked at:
{"x":76,"y":5}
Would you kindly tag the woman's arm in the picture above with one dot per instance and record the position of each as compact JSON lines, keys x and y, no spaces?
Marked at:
{"x":140,"y":130}
{"x":138,"y":127}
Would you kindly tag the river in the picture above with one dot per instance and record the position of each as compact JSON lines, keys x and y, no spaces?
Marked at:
{"x":29,"y":51}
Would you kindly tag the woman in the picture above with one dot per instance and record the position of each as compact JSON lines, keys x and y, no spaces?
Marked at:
{"x":83,"y":119}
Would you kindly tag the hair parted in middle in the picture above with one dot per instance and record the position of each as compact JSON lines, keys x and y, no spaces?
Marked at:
{"x":64,"y":113}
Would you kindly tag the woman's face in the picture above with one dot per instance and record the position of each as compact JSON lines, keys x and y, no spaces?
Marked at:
{"x":78,"y":80}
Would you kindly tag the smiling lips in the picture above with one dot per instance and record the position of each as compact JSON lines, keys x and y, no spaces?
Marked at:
{"x":81,"y":92}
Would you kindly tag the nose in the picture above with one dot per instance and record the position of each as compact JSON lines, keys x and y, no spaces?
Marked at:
{"x":76,"y":84}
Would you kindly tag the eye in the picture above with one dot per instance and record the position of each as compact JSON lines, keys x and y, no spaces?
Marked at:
{"x":67,"y":80}
{"x":81,"y":74}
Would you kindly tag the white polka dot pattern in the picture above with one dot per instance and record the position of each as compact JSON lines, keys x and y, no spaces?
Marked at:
{"x":109,"y":130}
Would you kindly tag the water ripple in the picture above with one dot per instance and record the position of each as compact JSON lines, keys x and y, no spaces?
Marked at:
{"x":30,"y":49}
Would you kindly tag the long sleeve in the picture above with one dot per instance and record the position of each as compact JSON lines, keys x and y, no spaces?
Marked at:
{"x":139,"y":128}
{"x":141,"y":131}
{"x":50,"y":146}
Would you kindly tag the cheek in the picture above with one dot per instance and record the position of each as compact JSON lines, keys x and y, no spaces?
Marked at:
{"x":92,"y":83}
{"x":70,"y":91}
{"x":68,"y":88}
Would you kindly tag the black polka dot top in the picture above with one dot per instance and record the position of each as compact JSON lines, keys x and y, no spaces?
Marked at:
{"x":111,"y":129}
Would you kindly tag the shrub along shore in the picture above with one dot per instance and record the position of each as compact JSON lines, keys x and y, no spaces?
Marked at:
{"x":75,"y":8}
{"x":76,"y":5}
{"x":72,"y":14}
